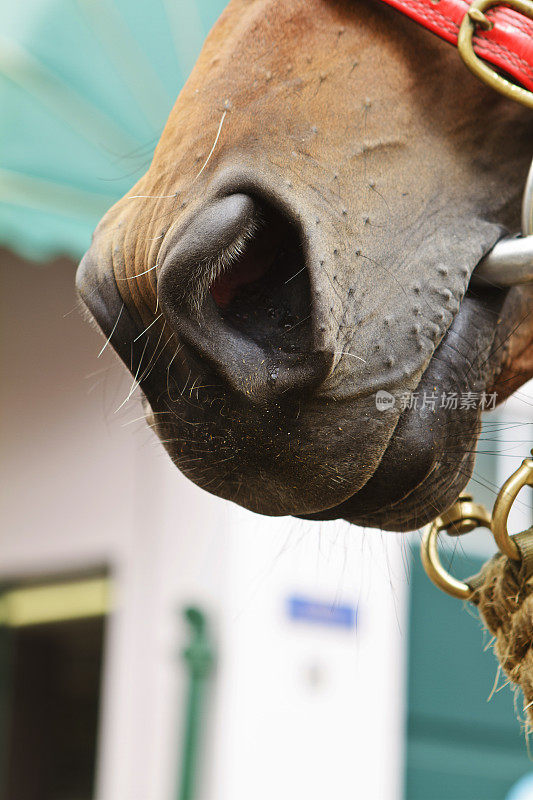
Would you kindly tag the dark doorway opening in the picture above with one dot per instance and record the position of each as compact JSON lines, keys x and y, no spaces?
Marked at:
{"x":51,"y":694}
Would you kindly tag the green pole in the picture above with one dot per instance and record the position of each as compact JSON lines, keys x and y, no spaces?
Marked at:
{"x":198,"y":657}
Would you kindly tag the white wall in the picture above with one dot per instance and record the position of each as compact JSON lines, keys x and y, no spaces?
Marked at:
{"x":297,"y":710}
{"x":306,"y":710}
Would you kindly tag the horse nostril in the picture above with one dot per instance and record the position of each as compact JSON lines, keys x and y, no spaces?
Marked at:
{"x":262,"y":288}
{"x":236,"y":287}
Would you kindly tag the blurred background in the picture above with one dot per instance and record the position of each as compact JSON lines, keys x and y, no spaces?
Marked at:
{"x":156,"y":642}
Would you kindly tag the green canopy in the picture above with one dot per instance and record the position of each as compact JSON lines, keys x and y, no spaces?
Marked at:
{"x":85,"y":90}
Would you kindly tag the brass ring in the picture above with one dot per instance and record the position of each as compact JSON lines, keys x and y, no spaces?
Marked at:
{"x":506,"y":497}
{"x":479,"y":67}
{"x":453,"y":518}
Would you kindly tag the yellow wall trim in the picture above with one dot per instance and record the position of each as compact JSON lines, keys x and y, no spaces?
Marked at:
{"x":34,"y":605}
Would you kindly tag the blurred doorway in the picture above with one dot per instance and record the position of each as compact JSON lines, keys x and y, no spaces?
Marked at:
{"x":51,"y":653}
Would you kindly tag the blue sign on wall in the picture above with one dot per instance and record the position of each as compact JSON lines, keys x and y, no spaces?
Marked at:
{"x":305,"y":609}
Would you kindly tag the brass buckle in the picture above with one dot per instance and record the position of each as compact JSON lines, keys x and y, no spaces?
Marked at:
{"x":476,"y":16}
{"x":463,"y":517}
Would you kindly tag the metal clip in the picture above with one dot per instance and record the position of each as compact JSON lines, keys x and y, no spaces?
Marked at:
{"x":506,"y":497}
{"x":462,"y":517}
{"x":466,"y":515}
{"x":510,"y":262}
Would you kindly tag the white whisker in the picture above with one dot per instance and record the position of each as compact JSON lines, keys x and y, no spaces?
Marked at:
{"x":135,"y":383}
{"x":148,"y":327}
{"x":295,"y":275}
{"x":112,"y":332}
{"x":351,"y":355}
{"x":174,"y":356}
{"x":146,"y":271}
{"x":152,"y":196}
{"x":153,"y":361}
{"x":214,"y":144}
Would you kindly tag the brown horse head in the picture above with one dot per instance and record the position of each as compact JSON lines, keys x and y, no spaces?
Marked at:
{"x":289,"y":282}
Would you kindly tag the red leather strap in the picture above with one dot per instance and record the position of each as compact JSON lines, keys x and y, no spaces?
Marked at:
{"x":508,"y":45}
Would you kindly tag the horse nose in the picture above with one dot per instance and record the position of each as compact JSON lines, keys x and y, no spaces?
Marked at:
{"x":235,"y":287}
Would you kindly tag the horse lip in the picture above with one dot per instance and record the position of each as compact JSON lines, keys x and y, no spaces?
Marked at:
{"x":375,"y":516}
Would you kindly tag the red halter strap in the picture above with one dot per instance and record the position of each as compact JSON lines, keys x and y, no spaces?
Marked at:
{"x":503,"y":37}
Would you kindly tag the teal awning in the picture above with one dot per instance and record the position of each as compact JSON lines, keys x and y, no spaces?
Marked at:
{"x":85,"y":89}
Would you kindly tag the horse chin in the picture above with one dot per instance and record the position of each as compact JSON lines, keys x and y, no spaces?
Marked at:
{"x":422,"y":469}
